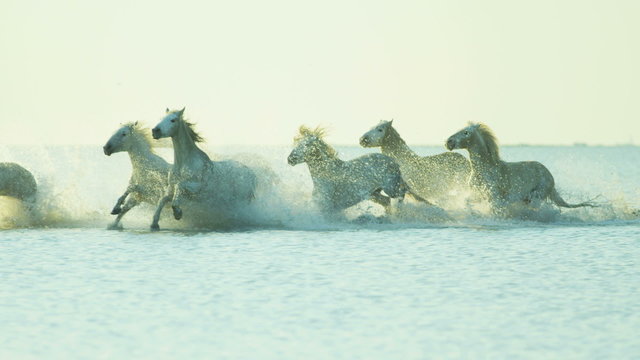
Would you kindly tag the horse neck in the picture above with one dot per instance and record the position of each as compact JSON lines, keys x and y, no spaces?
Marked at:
{"x":184,"y":147}
{"x":139,"y":150}
{"x":480,"y":156}
{"x":395,"y":147}
{"x":324,"y":165}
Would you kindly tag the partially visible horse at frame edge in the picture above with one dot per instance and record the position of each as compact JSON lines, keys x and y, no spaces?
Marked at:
{"x":504,"y":183}
{"x":339,"y":184}
{"x":219,"y":186}
{"x":149,"y":171}
{"x":17,"y":182}
{"x":436,"y":178}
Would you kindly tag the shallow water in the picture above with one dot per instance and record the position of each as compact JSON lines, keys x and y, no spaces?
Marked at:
{"x":563,"y":287}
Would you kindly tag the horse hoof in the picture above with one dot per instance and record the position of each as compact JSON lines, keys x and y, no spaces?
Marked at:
{"x":177,"y":212}
{"x":155,"y":227}
{"x":116,"y":211}
{"x":114,"y":227}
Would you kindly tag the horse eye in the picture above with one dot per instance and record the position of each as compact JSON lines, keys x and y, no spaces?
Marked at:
{"x":173,"y":120}
{"x":466,"y":133}
{"x":124,"y":134}
{"x":379,"y":130}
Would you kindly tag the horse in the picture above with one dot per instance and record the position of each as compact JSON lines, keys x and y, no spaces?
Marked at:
{"x":431,"y":177}
{"x":17,"y":182}
{"x":149,"y":171}
{"x":504,"y":183}
{"x":339,"y":184}
{"x":216,"y":186}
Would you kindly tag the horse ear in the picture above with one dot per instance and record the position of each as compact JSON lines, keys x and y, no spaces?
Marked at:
{"x":391,"y":122}
{"x":135,"y":123}
{"x":168,"y":110}
{"x":182,"y":111}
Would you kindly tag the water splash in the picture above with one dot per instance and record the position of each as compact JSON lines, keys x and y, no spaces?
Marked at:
{"x":78,"y":186}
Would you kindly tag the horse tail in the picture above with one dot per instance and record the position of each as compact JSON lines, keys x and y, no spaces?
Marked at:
{"x":558,"y":200}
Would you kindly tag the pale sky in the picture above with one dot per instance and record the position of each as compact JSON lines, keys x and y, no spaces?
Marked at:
{"x":251,"y":72}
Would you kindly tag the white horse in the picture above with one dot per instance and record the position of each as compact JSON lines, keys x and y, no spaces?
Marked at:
{"x":431,"y":177}
{"x":17,"y":182}
{"x":149,"y":171}
{"x":504,"y":183}
{"x":339,"y":184}
{"x":221,"y":186}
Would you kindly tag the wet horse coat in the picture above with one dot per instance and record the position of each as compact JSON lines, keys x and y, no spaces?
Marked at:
{"x":149,"y":171}
{"x":432,"y":177}
{"x":17,"y":182}
{"x":218,"y":186}
{"x":500,"y":182}
{"x":339,"y":184}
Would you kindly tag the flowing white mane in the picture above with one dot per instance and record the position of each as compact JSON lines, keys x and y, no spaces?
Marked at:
{"x":489,"y":139}
{"x":318,"y":133}
{"x":141,"y":133}
{"x":190,"y":128}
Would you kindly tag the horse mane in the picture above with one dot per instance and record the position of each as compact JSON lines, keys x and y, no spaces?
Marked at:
{"x":191,"y":131}
{"x":195,"y":136}
{"x":319,"y":133}
{"x":489,"y":139}
{"x":142,"y":132}
{"x":392,"y":137}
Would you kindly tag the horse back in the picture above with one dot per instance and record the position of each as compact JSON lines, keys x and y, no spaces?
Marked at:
{"x":528,"y":176}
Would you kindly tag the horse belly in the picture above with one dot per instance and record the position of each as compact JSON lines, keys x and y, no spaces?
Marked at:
{"x":528,"y":180}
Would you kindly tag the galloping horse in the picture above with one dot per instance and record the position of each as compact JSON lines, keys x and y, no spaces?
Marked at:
{"x":431,"y":177}
{"x":504,"y":183}
{"x":339,"y":184}
{"x":149,"y":171}
{"x":17,"y":182}
{"x":220,"y":186}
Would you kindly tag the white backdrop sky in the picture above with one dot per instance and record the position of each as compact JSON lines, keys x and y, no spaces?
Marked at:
{"x":251,"y":72}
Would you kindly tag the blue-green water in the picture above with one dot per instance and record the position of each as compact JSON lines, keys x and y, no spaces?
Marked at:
{"x":565,"y":287}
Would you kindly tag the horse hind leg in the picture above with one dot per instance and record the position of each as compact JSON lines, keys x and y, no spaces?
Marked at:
{"x":378,"y":198}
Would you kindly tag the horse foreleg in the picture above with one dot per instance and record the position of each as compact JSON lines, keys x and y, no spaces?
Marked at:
{"x":182,"y":189}
{"x":156,"y":216}
{"x":118,"y":207}
{"x":131,"y":203}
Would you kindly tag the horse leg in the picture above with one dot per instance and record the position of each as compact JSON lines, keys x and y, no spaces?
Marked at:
{"x":156,"y":216}
{"x":118,"y":207}
{"x":182,"y":189}
{"x":130,"y":204}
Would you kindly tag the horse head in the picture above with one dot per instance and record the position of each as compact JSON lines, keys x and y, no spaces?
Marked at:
{"x":309,"y":146}
{"x":478,"y":136}
{"x":168,"y":126}
{"x":462,"y":139}
{"x":375,"y":137}
{"x":120,"y":140}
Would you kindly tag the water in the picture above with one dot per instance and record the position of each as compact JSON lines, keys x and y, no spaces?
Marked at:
{"x":566,"y":286}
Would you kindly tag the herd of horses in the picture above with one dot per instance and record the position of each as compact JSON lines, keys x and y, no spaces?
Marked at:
{"x":223,"y":188}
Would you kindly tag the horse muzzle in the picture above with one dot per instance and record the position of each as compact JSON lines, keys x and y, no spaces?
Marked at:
{"x":156,"y":133}
{"x":107,"y":150}
{"x":364,"y":141}
{"x":450,"y":144}
{"x":293,"y":160}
